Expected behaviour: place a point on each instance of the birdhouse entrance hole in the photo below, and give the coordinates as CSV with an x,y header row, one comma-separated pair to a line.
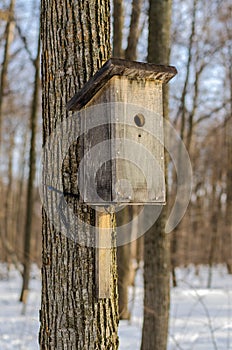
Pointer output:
x,y
139,120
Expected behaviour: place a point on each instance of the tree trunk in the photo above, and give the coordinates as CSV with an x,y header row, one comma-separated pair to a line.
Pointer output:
x,y
117,28
213,229
229,172
132,42
8,38
75,41
157,247
124,260
19,223
8,200
124,257
31,178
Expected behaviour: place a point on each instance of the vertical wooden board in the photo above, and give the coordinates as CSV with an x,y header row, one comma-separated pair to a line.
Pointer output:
x,y
97,187
103,255
145,154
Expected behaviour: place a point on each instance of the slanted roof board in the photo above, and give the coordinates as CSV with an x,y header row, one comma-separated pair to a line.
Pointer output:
x,y
120,67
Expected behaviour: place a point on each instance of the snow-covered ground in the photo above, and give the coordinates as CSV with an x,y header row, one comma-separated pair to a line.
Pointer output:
x,y
201,318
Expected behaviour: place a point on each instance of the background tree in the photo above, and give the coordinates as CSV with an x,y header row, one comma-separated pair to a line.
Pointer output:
x,y
134,31
31,178
75,42
156,241
126,254
118,20
9,35
17,73
199,113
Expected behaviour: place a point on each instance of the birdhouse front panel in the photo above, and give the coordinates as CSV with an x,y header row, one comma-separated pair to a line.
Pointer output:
x,y
137,127
124,152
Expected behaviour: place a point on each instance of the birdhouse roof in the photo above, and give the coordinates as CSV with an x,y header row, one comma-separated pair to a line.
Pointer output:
x,y
120,67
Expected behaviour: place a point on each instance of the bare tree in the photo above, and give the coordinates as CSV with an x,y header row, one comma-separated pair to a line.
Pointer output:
x,y
9,32
31,178
134,32
124,253
157,248
118,21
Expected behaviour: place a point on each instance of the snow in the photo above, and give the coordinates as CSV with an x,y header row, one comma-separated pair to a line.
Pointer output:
x,y
19,325
200,318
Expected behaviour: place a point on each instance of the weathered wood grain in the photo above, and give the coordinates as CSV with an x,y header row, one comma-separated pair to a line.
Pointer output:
x,y
138,175
134,174
103,255
120,67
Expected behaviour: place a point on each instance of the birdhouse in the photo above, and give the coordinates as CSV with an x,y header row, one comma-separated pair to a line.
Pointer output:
x,y
121,119
121,144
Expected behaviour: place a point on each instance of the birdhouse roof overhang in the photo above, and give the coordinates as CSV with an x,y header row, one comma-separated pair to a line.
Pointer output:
x,y
120,67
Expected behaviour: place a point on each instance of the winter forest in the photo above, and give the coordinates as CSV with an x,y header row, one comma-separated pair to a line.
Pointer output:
x,y
167,290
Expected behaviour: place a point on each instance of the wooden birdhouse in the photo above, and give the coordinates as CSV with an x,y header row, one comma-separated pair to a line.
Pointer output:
x,y
123,138
122,146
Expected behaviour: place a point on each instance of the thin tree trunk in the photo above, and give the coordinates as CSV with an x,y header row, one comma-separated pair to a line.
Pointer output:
x,y
124,260
20,210
9,17
8,198
31,178
213,227
75,41
182,108
156,245
7,250
182,113
8,41
229,172
118,20
132,42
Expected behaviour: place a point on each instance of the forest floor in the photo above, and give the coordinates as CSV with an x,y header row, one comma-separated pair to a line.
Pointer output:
x,y
200,318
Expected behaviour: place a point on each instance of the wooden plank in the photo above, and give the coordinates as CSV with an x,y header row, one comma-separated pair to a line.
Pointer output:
x,y
103,255
120,67
96,189
138,176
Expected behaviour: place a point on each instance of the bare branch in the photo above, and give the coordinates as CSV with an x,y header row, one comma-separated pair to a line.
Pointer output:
x,y
181,111
24,40
207,116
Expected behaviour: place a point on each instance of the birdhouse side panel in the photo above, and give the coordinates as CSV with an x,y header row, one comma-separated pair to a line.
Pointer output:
x,y
96,171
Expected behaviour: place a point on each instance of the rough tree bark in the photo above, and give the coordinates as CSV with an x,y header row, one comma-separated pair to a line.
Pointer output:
x,y
75,42
157,247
